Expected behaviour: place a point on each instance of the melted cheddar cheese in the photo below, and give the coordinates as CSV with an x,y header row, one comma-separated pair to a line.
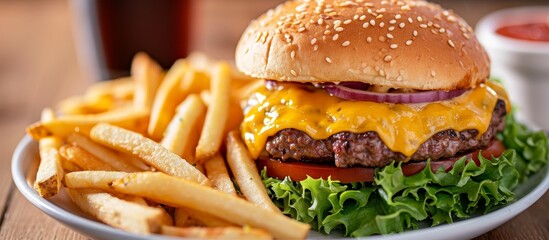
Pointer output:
x,y
402,127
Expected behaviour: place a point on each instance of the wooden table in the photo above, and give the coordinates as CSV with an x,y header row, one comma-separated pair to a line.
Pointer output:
x,y
38,67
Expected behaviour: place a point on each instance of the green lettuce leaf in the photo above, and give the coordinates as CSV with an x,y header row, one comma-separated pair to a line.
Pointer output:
x,y
395,203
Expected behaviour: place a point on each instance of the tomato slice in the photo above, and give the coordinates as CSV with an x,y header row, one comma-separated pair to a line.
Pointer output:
x,y
298,171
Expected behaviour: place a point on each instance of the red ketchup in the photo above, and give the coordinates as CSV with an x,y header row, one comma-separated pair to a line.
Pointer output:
x,y
536,31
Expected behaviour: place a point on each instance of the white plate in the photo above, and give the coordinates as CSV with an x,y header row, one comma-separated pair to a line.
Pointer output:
x,y
25,159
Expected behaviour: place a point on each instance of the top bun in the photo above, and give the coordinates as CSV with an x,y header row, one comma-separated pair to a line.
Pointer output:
x,y
399,44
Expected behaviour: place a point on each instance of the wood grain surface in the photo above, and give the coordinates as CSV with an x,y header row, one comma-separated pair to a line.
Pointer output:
x,y
39,67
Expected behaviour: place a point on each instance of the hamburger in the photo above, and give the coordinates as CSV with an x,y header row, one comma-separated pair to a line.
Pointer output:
x,y
378,116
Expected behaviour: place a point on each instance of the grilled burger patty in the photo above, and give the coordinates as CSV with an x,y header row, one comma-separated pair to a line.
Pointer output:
x,y
348,149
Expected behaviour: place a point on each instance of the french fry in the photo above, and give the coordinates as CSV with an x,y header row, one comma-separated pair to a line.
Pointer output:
x,y
139,200
134,161
216,233
50,172
235,118
245,173
102,153
148,150
206,97
92,179
79,105
182,218
136,199
218,175
217,114
160,187
179,133
69,166
129,118
195,81
83,159
129,216
168,96
207,219
147,75
118,89
200,61
47,115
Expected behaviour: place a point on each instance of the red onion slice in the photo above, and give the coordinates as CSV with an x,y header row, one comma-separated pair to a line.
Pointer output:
x,y
352,94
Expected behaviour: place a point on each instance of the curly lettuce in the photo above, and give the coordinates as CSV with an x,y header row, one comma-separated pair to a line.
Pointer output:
x,y
395,203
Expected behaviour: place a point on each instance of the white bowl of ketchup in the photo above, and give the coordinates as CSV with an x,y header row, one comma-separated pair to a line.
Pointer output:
x,y
517,41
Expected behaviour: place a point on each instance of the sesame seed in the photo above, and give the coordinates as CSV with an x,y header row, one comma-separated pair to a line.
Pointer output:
x,y
430,24
347,21
313,41
406,8
381,72
410,20
365,25
442,30
328,60
434,31
327,32
381,10
369,39
422,26
292,54
381,38
398,16
339,29
362,17
419,19
315,48
381,24
393,46
393,21
415,33
320,21
379,16
335,37
409,42
355,17
337,23
346,43
391,28
373,22
451,19
389,36
293,72
451,43
301,29
465,35
388,58
402,25
433,73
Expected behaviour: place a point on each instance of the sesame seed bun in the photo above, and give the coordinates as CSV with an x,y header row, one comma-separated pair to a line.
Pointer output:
x,y
399,44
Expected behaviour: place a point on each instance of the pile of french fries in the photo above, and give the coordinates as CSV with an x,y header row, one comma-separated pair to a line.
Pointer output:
x,y
149,154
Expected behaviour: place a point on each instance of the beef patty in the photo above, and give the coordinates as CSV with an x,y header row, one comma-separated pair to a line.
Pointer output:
x,y
348,149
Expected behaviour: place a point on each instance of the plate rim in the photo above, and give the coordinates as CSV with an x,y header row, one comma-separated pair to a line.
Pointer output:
x,y
69,219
